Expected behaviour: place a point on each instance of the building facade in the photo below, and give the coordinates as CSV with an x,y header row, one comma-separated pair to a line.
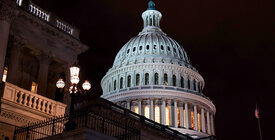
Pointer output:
x,y
35,48
152,75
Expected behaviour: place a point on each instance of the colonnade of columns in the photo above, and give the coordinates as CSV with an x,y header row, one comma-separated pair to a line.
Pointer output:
x,y
174,113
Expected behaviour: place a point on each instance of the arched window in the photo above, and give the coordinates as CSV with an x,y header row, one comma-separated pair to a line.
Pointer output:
x,y
192,120
147,47
157,114
137,79
156,78
121,83
188,84
161,47
167,113
182,82
174,80
115,85
146,78
178,114
199,87
136,109
129,81
110,87
147,112
199,122
165,81
194,85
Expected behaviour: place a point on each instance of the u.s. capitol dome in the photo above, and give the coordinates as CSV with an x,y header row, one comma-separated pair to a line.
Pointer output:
x,y
152,75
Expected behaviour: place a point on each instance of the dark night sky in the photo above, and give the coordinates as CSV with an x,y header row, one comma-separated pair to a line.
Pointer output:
x,y
230,42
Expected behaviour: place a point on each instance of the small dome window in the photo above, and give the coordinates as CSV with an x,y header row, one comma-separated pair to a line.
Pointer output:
x,y
128,51
155,47
161,47
175,50
140,47
134,49
168,48
147,47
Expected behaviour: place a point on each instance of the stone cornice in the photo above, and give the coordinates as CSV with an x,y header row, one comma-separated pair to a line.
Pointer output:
x,y
71,41
7,10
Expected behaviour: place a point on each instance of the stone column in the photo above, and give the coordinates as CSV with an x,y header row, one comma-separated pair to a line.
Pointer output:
x,y
192,83
163,115
67,97
151,108
181,115
139,106
212,124
197,86
128,104
175,118
186,116
202,120
196,117
7,14
14,63
185,81
44,61
208,122
170,78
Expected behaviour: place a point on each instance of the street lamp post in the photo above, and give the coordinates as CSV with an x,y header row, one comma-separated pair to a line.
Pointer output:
x,y
73,90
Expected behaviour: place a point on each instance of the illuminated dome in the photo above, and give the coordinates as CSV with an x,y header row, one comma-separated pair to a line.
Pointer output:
x,y
152,45
152,76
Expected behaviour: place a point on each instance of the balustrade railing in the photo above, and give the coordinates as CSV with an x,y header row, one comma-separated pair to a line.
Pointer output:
x,y
31,100
47,17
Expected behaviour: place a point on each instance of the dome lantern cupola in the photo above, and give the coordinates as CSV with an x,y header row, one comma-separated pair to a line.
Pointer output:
x,y
151,17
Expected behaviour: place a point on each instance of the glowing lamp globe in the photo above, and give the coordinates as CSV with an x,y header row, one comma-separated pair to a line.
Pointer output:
x,y
86,85
60,83
74,80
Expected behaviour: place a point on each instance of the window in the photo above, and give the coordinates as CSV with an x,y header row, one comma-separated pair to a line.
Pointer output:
x,y
137,79
188,83
146,78
136,109
155,47
168,48
34,87
129,81
128,51
121,83
147,47
157,114
109,87
165,82
147,112
161,47
182,82
5,73
192,120
194,85
140,47
199,123
156,78
174,80
178,113
134,49
115,85
167,113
